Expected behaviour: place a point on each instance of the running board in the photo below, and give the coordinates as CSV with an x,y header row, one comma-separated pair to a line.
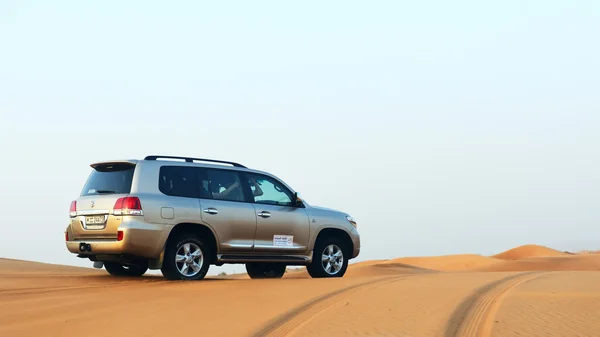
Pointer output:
x,y
236,258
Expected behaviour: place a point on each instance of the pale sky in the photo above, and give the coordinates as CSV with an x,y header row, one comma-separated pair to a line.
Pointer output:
x,y
442,127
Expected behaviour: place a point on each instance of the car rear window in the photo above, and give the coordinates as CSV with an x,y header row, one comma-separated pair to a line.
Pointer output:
x,y
109,179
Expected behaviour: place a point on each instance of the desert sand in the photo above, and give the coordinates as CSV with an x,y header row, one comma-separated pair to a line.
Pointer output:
x,y
526,291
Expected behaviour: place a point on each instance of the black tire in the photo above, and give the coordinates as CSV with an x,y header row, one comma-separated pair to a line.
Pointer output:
x,y
317,269
265,270
173,270
117,269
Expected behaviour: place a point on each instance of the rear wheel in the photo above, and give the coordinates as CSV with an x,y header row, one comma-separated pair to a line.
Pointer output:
x,y
117,269
329,258
187,257
265,270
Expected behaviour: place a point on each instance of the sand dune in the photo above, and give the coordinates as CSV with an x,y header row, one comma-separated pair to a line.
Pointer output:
x,y
528,251
522,258
530,290
589,252
559,263
446,263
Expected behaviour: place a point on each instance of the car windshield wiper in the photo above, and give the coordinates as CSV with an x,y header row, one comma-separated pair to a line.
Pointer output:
x,y
105,192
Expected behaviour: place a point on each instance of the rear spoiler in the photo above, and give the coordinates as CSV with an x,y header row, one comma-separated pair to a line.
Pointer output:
x,y
109,162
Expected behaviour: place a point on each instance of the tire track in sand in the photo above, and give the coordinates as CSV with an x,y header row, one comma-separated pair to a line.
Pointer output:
x,y
295,318
474,317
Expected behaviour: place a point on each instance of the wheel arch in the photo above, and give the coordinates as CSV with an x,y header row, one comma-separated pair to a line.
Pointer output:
x,y
327,232
201,230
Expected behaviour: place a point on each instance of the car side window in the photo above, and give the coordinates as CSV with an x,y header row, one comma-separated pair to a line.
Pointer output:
x,y
224,185
266,190
180,181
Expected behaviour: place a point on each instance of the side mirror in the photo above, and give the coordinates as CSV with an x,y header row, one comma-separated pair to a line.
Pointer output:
x,y
297,200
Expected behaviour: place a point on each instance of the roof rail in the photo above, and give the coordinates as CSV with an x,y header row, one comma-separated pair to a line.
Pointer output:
x,y
191,160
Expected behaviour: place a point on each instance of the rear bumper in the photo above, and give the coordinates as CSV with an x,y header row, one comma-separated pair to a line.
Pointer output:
x,y
140,239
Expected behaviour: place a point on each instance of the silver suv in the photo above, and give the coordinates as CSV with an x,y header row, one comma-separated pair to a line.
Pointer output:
x,y
181,215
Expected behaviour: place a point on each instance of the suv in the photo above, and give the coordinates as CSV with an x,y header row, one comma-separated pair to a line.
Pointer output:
x,y
180,215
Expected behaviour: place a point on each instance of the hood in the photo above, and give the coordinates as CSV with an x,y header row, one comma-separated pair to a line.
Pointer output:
x,y
325,209
316,210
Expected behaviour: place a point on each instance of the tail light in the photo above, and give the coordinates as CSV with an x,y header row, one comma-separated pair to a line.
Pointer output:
x,y
73,209
66,236
128,206
120,236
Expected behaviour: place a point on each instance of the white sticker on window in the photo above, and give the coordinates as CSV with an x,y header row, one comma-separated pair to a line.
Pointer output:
x,y
283,240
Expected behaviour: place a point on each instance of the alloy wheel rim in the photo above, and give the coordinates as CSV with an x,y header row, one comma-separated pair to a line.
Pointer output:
x,y
332,259
189,259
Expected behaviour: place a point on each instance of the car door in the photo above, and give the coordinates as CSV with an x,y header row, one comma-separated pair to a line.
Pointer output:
x,y
224,207
280,227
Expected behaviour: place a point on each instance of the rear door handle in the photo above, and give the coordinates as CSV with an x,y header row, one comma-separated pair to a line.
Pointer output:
x,y
264,214
211,210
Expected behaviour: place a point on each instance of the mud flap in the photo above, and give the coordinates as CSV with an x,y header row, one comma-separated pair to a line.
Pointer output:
x,y
157,264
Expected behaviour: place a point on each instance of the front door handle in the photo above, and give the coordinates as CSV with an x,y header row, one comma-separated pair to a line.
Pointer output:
x,y
264,214
211,210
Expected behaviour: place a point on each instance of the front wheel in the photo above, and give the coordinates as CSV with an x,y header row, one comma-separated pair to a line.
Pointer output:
x,y
265,270
117,269
329,259
186,258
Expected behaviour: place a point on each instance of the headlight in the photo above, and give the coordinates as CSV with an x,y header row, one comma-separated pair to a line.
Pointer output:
x,y
351,220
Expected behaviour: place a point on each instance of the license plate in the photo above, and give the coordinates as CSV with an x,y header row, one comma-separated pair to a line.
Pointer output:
x,y
94,220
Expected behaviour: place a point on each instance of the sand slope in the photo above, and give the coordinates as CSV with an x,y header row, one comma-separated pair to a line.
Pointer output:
x,y
11,266
527,291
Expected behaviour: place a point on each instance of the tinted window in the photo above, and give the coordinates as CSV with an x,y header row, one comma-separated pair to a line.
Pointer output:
x,y
181,181
109,179
224,185
267,190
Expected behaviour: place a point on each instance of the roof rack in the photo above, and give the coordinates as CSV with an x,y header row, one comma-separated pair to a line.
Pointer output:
x,y
191,160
